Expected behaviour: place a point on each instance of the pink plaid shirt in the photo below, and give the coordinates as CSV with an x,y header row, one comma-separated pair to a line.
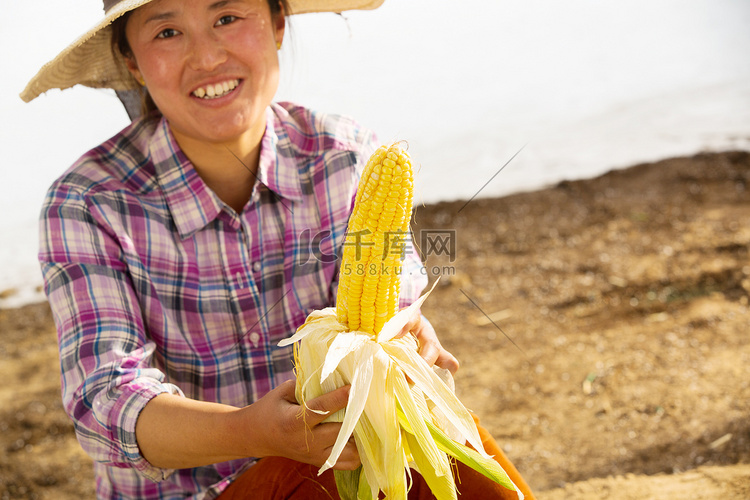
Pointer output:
x,y
157,286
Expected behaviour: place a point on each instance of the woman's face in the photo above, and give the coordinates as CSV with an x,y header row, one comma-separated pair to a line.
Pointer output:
x,y
210,65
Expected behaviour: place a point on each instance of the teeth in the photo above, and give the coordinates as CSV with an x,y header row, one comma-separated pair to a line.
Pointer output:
x,y
216,90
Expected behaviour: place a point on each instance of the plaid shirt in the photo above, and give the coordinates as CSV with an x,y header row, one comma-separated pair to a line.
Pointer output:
x,y
157,286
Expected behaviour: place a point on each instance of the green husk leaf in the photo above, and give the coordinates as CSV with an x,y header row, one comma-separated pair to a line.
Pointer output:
x,y
410,409
434,388
347,483
442,486
469,457
365,491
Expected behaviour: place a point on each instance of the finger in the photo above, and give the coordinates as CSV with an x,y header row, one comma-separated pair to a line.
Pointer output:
x,y
434,354
447,361
325,434
287,391
349,458
319,408
429,351
414,324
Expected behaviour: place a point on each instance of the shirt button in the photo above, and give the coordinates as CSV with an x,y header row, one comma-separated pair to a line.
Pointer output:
x,y
254,338
256,266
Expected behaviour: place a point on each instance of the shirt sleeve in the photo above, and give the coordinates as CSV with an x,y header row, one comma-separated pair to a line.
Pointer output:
x,y
107,367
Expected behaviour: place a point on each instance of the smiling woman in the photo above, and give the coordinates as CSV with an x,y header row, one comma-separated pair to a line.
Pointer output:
x,y
180,252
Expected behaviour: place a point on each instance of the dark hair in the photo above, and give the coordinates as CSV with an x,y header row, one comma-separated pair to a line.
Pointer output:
x,y
121,47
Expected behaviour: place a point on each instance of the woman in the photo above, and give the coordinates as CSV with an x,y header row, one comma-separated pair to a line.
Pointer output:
x,y
178,253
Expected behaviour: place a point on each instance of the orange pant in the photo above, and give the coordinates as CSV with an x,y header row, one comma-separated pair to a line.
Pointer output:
x,y
276,478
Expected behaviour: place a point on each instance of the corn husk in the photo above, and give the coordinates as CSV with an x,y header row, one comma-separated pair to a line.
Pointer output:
x,y
401,413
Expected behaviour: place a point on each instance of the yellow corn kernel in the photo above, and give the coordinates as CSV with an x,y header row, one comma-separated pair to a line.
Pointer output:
x,y
370,269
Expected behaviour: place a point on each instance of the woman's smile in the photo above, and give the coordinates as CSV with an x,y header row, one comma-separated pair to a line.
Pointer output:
x,y
216,90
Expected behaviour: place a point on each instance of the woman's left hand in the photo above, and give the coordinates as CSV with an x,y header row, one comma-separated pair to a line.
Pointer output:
x,y
429,346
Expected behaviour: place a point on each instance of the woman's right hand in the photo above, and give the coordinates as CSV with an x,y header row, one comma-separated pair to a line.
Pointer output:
x,y
279,426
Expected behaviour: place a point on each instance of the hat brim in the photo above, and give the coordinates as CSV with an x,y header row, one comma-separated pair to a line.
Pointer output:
x,y
90,61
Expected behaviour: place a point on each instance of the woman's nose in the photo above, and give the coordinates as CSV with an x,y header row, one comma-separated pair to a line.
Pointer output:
x,y
206,52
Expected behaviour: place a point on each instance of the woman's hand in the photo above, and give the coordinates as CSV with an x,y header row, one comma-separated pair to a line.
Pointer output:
x,y
175,432
429,346
284,428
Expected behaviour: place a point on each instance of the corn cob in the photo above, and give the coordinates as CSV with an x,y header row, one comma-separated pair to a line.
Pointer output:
x,y
397,422
370,280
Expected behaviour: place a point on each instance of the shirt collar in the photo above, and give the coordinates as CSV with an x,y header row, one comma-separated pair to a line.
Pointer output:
x,y
278,168
192,204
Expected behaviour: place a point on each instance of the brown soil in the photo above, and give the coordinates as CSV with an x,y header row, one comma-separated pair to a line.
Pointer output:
x,y
616,364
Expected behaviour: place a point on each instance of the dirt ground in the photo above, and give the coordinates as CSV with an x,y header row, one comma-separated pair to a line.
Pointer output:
x,y
602,327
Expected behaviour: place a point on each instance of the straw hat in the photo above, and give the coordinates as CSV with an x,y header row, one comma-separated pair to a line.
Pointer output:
x,y
89,60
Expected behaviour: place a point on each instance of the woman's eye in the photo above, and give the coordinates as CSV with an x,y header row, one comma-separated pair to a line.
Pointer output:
x,y
167,33
225,20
